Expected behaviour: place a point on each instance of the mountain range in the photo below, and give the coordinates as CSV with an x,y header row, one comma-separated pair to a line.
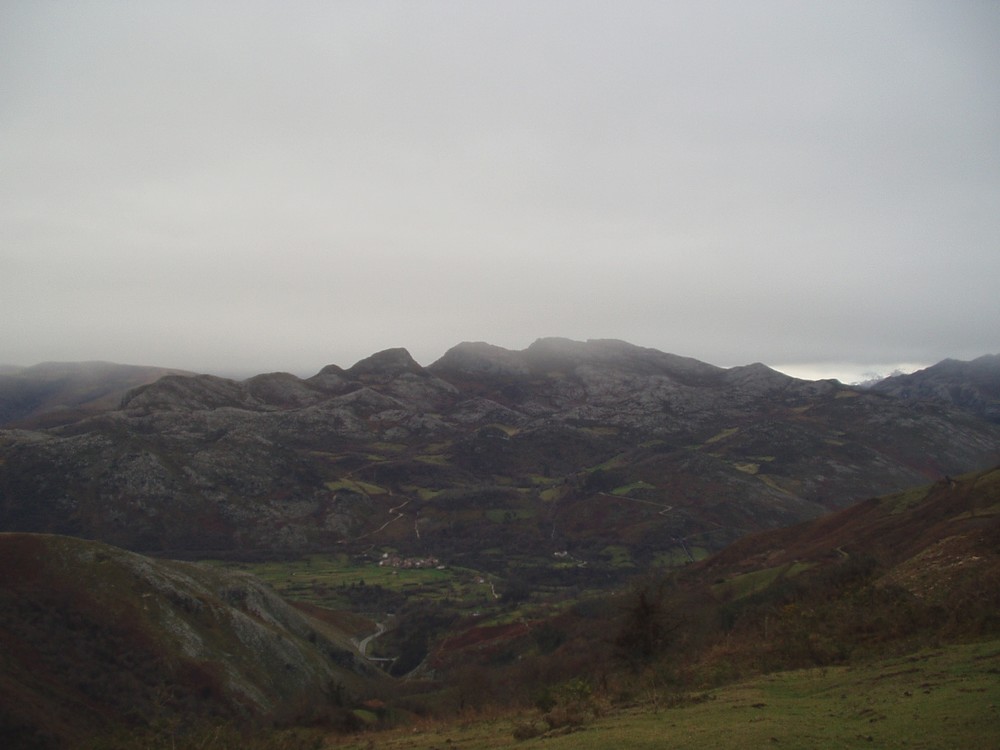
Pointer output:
x,y
754,522
488,454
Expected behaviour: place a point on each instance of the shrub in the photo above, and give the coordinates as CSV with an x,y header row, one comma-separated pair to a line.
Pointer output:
x,y
525,730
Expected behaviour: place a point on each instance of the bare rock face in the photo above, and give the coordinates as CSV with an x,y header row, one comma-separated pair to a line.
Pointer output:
x,y
205,464
284,391
201,392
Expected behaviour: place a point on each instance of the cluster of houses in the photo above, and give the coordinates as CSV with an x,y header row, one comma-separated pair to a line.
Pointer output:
x,y
409,563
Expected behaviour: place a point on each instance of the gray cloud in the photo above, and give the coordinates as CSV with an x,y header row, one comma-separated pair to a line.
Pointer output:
x,y
260,185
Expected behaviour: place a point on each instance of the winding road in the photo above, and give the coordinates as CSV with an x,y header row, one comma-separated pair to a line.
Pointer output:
x,y
366,641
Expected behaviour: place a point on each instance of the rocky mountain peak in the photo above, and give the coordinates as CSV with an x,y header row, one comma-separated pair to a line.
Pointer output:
x,y
973,386
477,358
386,363
757,373
175,392
330,370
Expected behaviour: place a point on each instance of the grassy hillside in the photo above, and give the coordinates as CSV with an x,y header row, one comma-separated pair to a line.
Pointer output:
x,y
95,639
942,698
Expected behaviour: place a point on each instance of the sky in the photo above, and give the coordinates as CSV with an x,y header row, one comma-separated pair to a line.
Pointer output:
x,y
243,187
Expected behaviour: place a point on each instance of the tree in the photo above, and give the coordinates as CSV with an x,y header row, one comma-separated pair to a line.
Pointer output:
x,y
645,631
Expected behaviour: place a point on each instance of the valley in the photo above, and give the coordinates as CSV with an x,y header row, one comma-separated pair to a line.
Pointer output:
x,y
577,540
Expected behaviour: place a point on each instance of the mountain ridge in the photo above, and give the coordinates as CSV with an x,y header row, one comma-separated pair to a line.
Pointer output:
x,y
564,431
973,385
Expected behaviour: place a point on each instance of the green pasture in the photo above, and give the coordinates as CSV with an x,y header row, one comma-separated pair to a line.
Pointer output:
x,y
627,488
437,459
676,556
317,578
351,485
618,556
758,580
554,493
727,432
940,699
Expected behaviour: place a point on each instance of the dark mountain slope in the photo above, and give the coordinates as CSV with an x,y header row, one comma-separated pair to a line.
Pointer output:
x,y
973,386
93,637
593,444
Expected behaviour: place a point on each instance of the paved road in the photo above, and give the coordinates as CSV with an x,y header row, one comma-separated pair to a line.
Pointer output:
x,y
364,642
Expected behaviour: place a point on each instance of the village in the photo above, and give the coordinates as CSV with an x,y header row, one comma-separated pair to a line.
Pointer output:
x,y
409,563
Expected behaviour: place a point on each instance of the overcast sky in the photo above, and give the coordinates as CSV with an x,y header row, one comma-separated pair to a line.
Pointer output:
x,y
255,186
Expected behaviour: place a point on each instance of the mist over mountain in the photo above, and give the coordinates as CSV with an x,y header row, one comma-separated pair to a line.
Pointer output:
x,y
54,392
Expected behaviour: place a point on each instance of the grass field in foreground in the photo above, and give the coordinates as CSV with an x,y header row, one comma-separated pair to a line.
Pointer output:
x,y
945,698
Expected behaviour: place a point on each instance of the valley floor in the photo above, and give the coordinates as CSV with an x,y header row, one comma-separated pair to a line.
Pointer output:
x,y
942,698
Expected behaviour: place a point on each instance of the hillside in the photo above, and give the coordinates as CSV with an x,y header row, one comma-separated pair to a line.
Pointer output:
x,y
60,392
96,639
488,457
936,699
924,563
973,386
886,577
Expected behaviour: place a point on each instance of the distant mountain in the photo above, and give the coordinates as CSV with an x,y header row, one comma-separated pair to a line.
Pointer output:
x,y
94,638
60,392
490,457
973,386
